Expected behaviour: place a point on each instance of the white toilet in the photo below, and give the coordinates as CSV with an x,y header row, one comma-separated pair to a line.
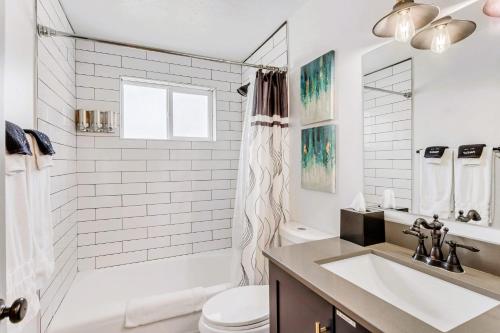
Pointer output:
x,y
246,309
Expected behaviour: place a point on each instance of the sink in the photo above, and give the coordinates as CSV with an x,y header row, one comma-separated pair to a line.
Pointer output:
x,y
438,303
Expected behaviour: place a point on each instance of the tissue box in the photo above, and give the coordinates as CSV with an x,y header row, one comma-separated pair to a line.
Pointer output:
x,y
362,228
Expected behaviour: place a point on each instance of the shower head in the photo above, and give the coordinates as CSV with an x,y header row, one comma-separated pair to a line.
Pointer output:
x,y
243,90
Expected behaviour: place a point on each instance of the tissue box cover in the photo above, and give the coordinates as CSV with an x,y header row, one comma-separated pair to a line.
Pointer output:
x,y
364,229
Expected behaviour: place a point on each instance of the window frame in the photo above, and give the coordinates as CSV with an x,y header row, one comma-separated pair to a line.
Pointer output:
x,y
171,88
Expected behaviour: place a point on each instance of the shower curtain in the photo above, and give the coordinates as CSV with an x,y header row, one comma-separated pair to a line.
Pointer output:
x,y
262,195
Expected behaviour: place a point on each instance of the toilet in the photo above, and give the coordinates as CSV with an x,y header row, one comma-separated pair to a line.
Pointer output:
x,y
246,309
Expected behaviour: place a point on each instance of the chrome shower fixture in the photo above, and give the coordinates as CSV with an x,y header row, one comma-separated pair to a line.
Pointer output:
x,y
95,121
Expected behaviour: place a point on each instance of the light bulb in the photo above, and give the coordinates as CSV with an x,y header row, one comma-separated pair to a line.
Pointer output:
x,y
441,40
492,8
405,28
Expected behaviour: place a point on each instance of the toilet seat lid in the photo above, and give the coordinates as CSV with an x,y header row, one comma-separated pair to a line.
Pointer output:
x,y
238,307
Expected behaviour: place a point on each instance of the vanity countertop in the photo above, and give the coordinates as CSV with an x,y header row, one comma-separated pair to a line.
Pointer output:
x,y
302,261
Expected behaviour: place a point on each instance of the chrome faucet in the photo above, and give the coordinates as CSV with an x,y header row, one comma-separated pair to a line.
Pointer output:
x,y
438,234
471,215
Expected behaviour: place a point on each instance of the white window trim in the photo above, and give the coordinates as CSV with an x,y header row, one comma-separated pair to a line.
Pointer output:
x,y
171,87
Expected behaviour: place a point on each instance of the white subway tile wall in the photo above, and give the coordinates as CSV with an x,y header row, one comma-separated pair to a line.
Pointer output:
x,y
388,135
274,53
56,102
142,200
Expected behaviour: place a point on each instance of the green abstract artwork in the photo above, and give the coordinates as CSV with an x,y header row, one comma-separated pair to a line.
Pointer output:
x,y
317,83
319,158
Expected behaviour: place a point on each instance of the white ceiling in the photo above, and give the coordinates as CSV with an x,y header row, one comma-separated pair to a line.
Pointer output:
x,y
230,29
362,36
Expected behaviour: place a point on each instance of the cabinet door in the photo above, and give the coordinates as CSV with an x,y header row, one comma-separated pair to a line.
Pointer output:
x,y
344,324
295,308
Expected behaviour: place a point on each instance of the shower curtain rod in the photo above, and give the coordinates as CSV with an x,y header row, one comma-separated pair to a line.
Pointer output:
x,y
405,94
46,31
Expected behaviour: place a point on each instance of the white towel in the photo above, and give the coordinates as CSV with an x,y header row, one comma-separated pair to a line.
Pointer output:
x,y
147,310
15,163
436,185
21,279
473,185
38,175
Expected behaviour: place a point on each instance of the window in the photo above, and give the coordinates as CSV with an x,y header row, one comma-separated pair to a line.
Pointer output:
x,y
166,111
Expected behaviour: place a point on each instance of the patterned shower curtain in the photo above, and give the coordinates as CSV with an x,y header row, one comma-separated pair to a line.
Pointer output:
x,y
265,189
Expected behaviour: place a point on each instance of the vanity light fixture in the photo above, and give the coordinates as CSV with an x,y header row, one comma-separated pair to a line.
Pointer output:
x,y
405,18
492,8
443,33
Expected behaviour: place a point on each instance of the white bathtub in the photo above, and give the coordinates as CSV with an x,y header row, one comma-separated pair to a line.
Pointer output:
x,y
97,299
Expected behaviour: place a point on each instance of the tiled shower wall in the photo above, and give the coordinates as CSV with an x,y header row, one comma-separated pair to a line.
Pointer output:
x,y
142,200
274,53
56,103
388,135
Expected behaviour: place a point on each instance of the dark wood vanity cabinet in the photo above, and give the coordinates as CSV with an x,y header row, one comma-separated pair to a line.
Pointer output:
x,y
294,308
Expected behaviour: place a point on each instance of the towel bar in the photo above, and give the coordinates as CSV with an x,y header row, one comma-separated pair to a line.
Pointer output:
x,y
497,149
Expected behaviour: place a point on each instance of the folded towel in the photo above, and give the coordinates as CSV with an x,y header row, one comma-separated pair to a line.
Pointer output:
x,y
147,310
15,140
434,154
217,289
20,277
471,151
38,176
43,141
436,185
15,163
43,160
473,186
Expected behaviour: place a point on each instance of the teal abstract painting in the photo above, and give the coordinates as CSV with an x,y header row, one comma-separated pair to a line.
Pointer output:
x,y
319,158
317,83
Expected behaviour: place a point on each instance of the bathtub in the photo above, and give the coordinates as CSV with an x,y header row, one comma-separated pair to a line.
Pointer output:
x,y
97,299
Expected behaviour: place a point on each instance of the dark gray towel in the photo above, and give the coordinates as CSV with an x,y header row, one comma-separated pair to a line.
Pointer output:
x,y
435,151
43,141
471,151
15,140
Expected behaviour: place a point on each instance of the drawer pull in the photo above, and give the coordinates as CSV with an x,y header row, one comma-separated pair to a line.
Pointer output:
x,y
346,319
320,329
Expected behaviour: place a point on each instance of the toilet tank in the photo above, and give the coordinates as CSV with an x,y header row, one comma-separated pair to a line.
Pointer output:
x,y
295,233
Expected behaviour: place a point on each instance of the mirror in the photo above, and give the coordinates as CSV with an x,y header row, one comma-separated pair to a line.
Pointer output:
x,y
447,100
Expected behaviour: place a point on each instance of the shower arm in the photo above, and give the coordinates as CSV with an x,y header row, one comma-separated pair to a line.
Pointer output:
x,y
45,31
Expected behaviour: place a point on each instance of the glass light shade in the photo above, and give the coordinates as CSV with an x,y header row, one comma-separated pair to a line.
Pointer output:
x,y
405,28
441,40
492,8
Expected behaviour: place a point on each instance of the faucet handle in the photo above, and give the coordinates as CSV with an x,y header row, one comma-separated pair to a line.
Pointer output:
x,y
418,234
445,232
452,263
454,245
420,252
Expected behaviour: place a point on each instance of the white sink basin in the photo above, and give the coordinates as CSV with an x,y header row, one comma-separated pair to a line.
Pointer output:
x,y
440,304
